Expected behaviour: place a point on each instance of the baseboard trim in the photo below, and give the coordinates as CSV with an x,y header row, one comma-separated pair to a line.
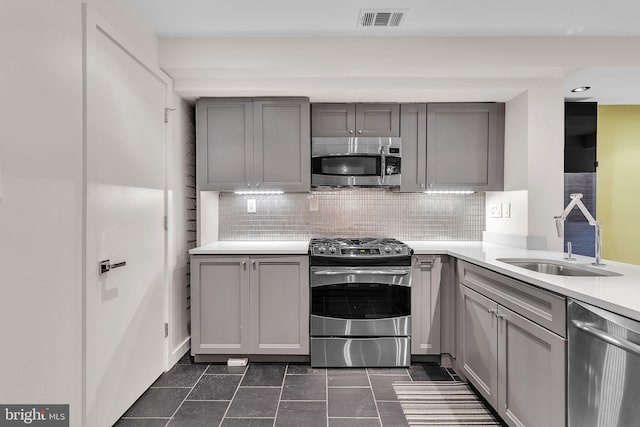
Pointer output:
x,y
253,358
179,351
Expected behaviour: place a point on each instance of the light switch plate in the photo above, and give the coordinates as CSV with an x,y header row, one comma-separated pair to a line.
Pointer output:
x,y
496,211
506,210
251,205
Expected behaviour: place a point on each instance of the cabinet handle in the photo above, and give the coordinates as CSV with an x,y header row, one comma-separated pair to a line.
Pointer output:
x,y
253,263
257,184
500,316
359,132
249,185
492,311
422,185
244,265
351,131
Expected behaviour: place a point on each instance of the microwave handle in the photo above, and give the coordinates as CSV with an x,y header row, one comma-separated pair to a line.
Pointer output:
x,y
383,165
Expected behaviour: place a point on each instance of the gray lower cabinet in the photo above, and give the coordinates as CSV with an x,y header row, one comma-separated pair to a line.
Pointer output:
x,y
249,305
348,120
465,146
253,144
516,364
425,305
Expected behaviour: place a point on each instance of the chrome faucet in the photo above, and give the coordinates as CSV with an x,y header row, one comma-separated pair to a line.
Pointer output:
x,y
575,200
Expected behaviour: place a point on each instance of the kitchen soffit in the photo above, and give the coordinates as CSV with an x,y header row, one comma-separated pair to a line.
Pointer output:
x,y
481,18
294,18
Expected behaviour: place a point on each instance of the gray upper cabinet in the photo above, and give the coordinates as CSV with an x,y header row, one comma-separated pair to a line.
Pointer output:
x,y
465,146
413,131
333,119
282,150
339,120
253,144
224,142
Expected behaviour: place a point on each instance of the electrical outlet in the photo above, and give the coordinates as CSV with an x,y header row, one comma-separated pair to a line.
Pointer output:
x,y
313,204
251,205
496,211
506,210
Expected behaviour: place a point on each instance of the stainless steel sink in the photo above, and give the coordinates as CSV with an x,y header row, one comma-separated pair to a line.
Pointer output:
x,y
557,268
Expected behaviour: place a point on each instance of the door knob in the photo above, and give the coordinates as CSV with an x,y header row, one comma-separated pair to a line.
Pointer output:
x,y
106,265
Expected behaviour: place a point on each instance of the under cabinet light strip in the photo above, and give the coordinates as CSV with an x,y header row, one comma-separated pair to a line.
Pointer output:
x,y
450,192
257,193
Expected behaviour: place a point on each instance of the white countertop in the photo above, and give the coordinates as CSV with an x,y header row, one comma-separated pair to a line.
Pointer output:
x,y
253,247
618,294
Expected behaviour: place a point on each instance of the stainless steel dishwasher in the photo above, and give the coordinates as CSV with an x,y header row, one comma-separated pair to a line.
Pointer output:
x,y
604,368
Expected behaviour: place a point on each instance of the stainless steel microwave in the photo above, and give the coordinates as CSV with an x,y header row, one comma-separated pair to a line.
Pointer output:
x,y
356,162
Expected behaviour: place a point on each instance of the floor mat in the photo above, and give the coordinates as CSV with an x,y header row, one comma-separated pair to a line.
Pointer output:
x,y
439,403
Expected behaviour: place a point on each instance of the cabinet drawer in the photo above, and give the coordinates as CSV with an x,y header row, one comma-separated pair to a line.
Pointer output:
x,y
544,308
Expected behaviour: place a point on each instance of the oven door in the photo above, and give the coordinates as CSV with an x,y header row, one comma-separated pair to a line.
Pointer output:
x,y
360,301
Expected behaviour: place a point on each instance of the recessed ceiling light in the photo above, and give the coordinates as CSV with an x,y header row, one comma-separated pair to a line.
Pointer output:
x,y
580,88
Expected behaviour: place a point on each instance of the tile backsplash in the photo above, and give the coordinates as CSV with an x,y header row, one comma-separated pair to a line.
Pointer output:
x,y
353,213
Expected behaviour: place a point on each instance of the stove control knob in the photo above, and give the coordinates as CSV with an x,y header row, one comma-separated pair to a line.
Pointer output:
x,y
332,249
398,249
322,249
387,249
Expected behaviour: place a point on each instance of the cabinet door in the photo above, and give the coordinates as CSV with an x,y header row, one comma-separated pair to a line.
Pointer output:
x,y
329,120
224,138
280,305
219,305
465,146
413,131
425,305
378,120
282,146
479,343
531,373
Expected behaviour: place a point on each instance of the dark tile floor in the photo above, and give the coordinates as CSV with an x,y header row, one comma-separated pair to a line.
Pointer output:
x,y
262,395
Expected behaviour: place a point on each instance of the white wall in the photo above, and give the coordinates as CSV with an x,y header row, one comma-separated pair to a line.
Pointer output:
x,y
516,140
41,204
180,154
406,69
118,14
546,163
534,169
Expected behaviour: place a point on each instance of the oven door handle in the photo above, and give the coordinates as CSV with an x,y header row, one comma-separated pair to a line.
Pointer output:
x,y
374,272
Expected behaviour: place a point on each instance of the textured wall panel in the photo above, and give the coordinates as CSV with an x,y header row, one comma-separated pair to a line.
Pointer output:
x,y
353,213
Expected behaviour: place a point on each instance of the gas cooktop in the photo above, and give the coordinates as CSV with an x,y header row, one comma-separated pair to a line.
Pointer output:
x,y
358,247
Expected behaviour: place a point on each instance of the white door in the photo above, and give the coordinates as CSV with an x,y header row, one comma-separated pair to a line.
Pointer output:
x,y
125,208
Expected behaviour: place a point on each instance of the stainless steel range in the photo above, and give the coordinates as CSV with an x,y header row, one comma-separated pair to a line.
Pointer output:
x,y
360,302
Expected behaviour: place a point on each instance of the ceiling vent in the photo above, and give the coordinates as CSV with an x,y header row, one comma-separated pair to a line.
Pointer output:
x,y
371,18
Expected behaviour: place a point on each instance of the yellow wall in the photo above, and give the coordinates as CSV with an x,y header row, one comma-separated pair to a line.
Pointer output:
x,y
618,181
